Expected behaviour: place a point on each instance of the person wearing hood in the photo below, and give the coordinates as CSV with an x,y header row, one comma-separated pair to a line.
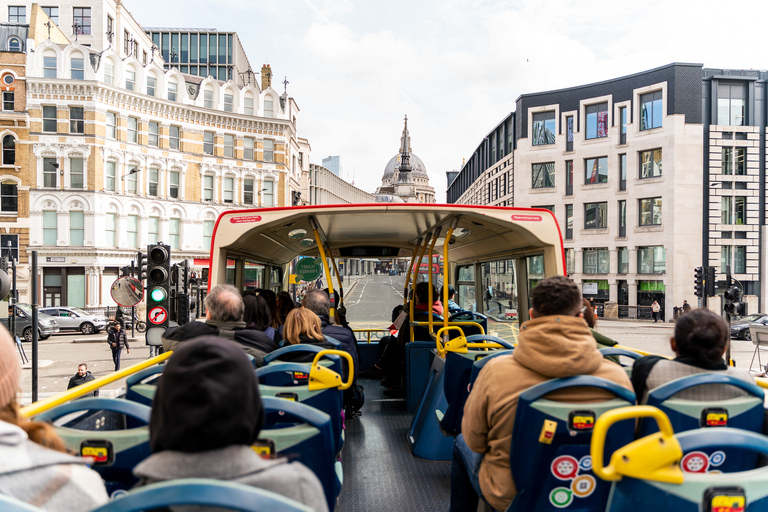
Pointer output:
x,y
81,377
34,465
555,343
206,414
224,318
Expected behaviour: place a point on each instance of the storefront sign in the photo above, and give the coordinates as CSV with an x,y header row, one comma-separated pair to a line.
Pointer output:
x,y
55,259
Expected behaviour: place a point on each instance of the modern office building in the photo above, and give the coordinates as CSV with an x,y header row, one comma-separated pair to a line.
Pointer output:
x,y
333,164
650,175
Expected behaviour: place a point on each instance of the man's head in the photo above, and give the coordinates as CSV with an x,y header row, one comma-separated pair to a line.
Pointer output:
x,y
557,295
117,326
82,369
224,304
685,302
317,301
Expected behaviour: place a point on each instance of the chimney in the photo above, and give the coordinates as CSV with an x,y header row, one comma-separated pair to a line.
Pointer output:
x,y
266,76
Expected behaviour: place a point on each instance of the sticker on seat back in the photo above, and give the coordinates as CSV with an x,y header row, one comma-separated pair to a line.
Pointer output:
x,y
101,451
714,417
581,421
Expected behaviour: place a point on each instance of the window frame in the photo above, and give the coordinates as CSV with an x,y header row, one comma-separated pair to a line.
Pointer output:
x,y
249,183
14,239
601,216
8,151
174,139
9,197
132,132
153,134
151,85
543,175
111,127
656,210
83,15
77,170
229,145
20,15
543,128
77,232
153,229
153,182
132,231
208,188
111,233
54,174
174,233
228,190
77,73
268,155
173,90
269,193
655,262
50,222
248,152
595,109
209,147
656,103
599,170
110,178
602,256
130,79
76,125
174,189
48,120
9,101
50,66
648,161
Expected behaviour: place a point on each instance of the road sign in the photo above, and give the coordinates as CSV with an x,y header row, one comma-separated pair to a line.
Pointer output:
x,y
157,315
127,291
308,269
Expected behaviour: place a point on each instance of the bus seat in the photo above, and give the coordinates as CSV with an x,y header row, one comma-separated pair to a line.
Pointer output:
x,y
329,401
141,386
425,439
418,360
743,412
201,492
613,353
305,434
115,433
550,451
470,316
332,361
11,504
647,473
333,341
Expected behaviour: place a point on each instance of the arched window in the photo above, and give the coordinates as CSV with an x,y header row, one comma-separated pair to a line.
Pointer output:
x,y
151,84
229,101
173,89
109,72
174,231
269,109
49,64
9,199
208,96
14,44
130,78
9,150
77,66
248,104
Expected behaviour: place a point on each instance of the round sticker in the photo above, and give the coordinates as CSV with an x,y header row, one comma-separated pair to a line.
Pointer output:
x,y
585,463
583,485
560,497
565,467
716,458
695,462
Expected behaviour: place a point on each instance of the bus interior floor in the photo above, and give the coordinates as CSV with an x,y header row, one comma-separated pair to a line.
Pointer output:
x,y
380,474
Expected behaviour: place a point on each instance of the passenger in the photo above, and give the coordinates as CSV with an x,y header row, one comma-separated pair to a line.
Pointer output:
x,y
700,339
303,326
284,306
591,319
223,318
555,343
339,311
452,306
271,299
34,465
258,317
206,414
81,377
421,307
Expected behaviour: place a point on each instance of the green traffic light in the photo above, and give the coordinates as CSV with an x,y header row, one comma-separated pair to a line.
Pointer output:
x,y
157,295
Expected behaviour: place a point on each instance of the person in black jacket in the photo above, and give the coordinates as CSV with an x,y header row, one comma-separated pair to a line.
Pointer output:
x,y
81,377
117,340
224,318
318,302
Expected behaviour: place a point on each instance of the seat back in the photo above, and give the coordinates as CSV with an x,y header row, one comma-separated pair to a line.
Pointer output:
x,y
614,354
550,458
202,492
470,316
743,412
114,432
142,386
332,361
302,433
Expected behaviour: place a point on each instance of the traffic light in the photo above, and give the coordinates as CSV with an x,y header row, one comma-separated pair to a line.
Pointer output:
x,y
142,267
158,285
710,287
698,282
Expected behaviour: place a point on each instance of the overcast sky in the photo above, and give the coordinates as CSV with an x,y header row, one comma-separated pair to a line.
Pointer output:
x,y
455,67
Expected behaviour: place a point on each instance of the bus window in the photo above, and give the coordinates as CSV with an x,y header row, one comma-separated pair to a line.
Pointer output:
x,y
230,278
253,276
275,279
500,293
535,267
465,289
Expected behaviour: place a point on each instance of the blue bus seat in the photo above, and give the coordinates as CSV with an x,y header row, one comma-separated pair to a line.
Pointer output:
x,y
302,433
550,451
117,436
470,316
142,386
744,412
418,360
614,353
331,361
202,492
425,439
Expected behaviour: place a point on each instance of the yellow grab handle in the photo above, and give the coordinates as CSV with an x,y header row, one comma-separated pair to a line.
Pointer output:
x,y
653,457
321,377
456,343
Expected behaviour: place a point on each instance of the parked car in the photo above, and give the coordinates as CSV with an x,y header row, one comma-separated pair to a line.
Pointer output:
x,y
75,319
740,327
46,324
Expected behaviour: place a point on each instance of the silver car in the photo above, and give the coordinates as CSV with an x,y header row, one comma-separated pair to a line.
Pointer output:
x,y
75,319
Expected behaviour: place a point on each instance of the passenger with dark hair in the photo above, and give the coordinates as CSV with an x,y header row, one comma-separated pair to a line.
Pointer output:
x,y
284,306
271,299
591,318
206,414
555,343
700,339
258,317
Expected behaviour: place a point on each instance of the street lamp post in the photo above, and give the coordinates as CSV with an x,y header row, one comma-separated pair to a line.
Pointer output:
x,y
260,191
132,171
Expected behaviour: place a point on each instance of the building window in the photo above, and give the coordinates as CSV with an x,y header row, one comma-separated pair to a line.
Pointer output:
x,y
569,222
544,128
9,198
9,150
623,125
153,230
174,231
623,171
595,215
8,101
741,210
151,85
543,175
130,79
725,258
77,68
133,129
268,192
14,44
229,103
650,110
111,172
76,228
207,234
207,188
132,231
269,150
208,143
248,191
731,104
82,19
111,125
50,227
111,229
740,259
268,108
229,190
248,148
17,14
597,120
596,261
229,145
173,89
49,118
734,161
76,176
248,106
174,181
126,42
154,181
650,163
651,260
208,97
726,210
570,262
110,28
49,66
623,260
131,183
174,137
650,211
154,134
12,242
596,170
76,120
50,172
622,219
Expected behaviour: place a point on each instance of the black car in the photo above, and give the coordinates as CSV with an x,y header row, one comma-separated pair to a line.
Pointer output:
x,y
740,328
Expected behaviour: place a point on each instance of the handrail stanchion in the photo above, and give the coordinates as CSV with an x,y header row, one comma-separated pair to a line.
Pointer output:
x,y
321,249
430,300
418,264
338,278
408,272
446,243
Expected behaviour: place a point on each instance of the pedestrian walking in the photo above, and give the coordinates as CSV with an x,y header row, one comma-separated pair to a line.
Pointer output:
x,y
117,340
655,310
81,377
686,306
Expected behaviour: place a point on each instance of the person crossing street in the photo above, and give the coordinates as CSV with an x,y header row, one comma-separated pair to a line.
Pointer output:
x,y
117,340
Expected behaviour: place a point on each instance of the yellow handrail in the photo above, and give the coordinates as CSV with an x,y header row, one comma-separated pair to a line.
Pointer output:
x,y
446,243
408,272
51,402
321,249
431,299
412,299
